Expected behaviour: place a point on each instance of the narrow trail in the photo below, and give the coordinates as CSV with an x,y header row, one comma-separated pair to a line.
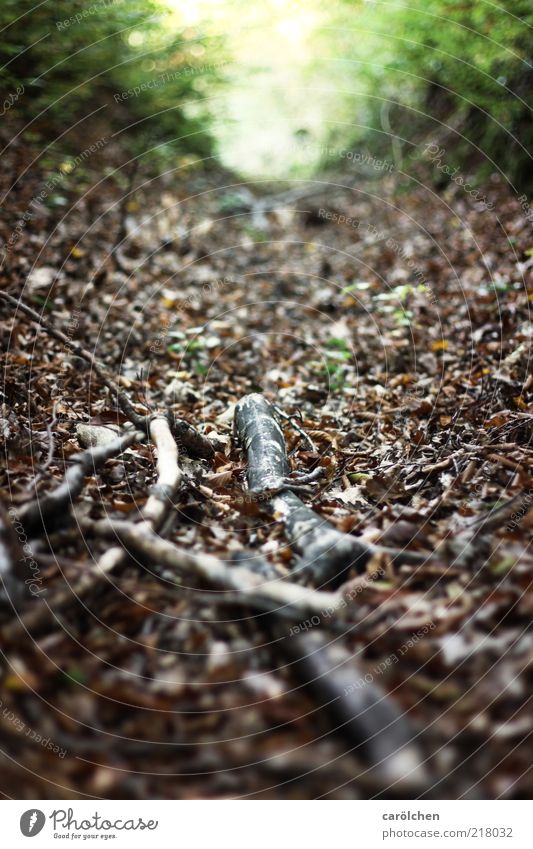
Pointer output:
x,y
394,329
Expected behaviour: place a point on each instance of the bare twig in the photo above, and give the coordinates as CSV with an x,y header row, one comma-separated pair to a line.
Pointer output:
x,y
160,500
50,454
196,444
153,515
255,590
100,370
293,423
46,509
158,504
169,474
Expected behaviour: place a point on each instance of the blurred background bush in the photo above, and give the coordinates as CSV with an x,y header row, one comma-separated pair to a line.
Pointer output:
x,y
265,83
131,67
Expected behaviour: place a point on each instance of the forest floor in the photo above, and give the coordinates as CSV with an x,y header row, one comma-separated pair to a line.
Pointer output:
x,y
397,324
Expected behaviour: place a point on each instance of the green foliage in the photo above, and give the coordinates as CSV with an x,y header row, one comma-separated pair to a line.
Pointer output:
x,y
140,72
460,74
395,75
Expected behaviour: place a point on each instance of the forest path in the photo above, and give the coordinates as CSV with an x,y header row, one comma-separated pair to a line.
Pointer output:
x,y
395,325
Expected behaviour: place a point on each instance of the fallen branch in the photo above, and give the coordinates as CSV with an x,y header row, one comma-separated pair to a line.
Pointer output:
x,y
157,506
153,515
327,554
357,711
256,591
353,708
169,474
299,430
196,444
361,714
47,509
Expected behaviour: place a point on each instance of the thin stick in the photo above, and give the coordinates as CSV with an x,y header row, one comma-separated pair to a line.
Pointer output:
x,y
299,430
100,370
254,588
169,474
196,444
153,515
159,502
357,710
47,508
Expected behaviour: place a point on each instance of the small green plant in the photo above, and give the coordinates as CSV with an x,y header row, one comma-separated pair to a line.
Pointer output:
x,y
333,367
340,345
359,286
193,353
399,295
255,234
